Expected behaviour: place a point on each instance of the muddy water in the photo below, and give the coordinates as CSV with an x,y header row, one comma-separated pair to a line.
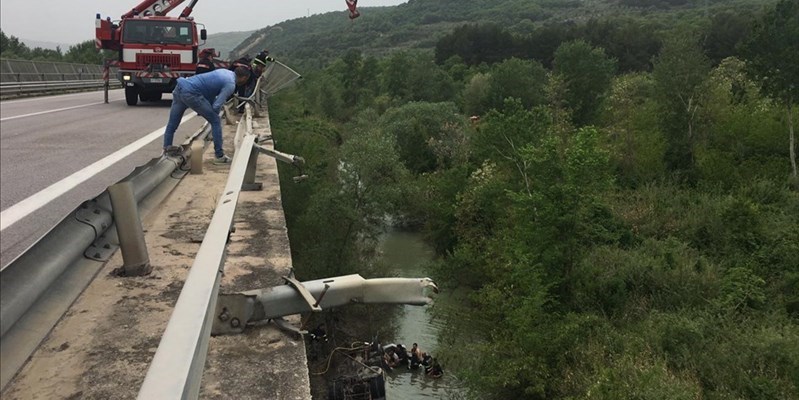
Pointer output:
x,y
408,255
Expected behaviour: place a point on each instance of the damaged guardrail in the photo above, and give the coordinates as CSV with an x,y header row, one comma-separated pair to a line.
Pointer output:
x,y
177,367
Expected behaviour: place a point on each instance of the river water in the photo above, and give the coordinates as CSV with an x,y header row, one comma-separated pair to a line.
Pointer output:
x,y
408,255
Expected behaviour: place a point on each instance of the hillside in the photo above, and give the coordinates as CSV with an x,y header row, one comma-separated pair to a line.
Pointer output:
x,y
418,24
224,42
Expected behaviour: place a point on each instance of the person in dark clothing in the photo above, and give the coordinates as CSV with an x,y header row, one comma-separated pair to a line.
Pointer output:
x,y
402,353
319,333
205,62
318,338
259,62
243,62
427,360
435,370
257,67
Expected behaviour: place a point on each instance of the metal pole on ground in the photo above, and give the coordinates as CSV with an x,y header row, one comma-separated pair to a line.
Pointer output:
x,y
136,261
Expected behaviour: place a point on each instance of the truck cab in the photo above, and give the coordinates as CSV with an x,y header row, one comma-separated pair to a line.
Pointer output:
x,y
153,50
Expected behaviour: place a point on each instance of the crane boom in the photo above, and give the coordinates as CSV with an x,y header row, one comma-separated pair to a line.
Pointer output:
x,y
149,8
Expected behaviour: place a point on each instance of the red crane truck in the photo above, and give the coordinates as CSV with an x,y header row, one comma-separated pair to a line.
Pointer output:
x,y
153,50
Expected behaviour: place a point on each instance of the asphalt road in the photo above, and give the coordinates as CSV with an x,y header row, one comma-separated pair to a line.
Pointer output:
x,y
45,139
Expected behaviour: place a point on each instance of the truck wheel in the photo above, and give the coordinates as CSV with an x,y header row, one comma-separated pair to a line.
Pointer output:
x,y
131,95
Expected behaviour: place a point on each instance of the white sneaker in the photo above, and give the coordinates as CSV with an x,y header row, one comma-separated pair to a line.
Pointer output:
x,y
222,160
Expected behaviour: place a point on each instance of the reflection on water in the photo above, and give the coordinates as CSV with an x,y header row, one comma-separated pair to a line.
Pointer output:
x,y
407,255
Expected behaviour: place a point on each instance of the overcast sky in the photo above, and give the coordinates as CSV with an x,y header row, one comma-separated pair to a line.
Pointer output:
x,y
72,21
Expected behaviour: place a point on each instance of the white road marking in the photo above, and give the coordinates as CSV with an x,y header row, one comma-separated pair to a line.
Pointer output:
x,y
18,211
56,110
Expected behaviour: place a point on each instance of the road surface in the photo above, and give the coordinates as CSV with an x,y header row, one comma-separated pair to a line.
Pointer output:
x,y
46,139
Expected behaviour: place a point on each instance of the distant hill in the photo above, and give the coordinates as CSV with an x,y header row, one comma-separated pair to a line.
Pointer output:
x,y
420,23
224,42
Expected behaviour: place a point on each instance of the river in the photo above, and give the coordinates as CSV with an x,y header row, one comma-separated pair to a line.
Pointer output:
x,y
408,255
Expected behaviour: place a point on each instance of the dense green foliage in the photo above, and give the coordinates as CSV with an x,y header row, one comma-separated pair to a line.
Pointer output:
x,y
614,232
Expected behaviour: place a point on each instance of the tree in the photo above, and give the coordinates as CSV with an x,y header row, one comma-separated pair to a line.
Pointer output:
x,y
773,59
680,73
416,127
395,75
631,116
11,47
476,44
587,73
632,42
428,82
519,79
350,76
85,53
476,95
725,33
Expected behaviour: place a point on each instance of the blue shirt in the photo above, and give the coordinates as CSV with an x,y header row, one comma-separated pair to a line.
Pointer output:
x,y
216,86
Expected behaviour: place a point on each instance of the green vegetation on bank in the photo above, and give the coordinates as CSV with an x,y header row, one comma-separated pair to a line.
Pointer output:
x,y
616,227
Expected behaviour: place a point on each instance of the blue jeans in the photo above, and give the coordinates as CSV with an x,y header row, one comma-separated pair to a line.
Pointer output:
x,y
183,99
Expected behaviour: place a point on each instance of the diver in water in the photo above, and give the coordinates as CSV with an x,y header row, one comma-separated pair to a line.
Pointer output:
x,y
435,370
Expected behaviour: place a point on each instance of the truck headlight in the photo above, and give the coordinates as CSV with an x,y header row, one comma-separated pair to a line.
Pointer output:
x,y
125,77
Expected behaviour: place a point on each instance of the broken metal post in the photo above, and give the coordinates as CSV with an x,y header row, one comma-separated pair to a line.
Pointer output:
x,y
136,261
235,311
296,161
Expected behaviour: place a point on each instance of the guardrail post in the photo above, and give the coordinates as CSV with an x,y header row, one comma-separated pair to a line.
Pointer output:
x,y
106,80
136,261
197,157
249,184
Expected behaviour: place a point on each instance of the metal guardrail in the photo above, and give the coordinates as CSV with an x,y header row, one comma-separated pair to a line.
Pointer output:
x,y
8,89
26,70
20,77
29,278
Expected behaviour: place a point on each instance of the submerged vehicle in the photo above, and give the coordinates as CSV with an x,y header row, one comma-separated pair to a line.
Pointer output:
x,y
359,375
